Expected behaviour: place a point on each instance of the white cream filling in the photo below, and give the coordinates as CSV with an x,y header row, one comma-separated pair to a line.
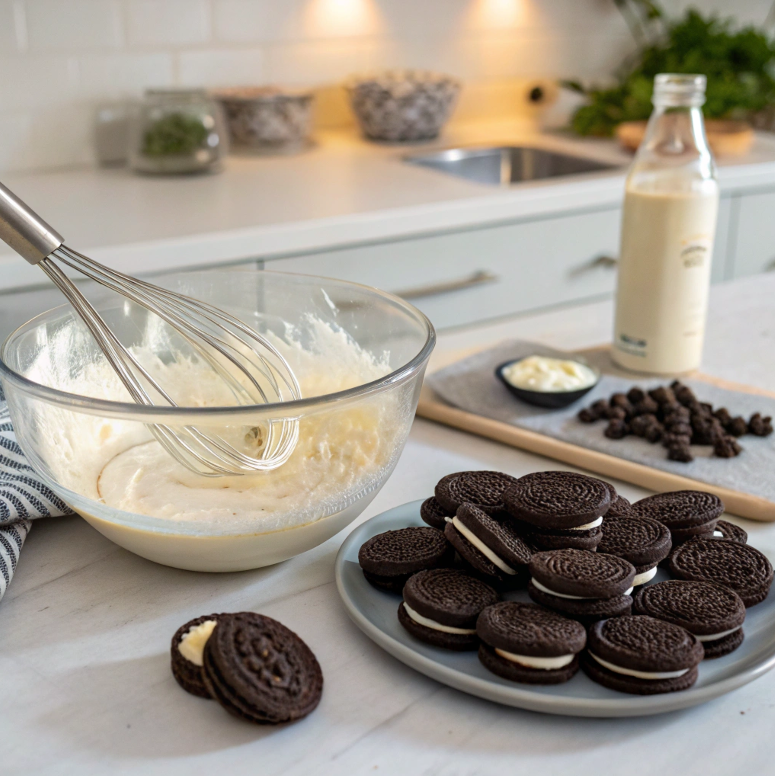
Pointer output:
x,y
482,547
714,636
544,663
565,595
718,534
540,373
653,675
594,524
192,645
641,579
428,623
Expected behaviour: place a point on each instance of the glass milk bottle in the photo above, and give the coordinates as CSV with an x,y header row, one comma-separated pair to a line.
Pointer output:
x,y
670,208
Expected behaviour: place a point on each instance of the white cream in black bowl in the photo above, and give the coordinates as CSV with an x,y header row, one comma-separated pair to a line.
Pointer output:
x,y
548,382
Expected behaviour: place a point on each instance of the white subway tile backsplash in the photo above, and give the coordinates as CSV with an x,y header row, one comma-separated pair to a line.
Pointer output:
x,y
251,21
9,22
111,76
221,68
167,22
73,24
36,81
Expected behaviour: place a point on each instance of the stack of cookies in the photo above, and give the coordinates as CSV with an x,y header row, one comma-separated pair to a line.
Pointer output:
x,y
588,560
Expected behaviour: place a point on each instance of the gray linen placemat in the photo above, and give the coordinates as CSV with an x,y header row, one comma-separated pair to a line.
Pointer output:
x,y
471,385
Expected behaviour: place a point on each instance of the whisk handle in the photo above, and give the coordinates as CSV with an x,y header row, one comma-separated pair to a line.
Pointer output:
x,y
24,230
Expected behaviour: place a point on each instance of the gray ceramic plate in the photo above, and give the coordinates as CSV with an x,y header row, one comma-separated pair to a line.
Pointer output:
x,y
374,612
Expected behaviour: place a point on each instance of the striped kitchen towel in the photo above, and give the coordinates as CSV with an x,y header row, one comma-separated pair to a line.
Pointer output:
x,y
23,497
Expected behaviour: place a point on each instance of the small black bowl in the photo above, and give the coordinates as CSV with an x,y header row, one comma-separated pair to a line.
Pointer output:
x,y
553,400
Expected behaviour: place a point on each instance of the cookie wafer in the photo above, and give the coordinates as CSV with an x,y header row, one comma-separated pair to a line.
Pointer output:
x,y
619,504
483,489
259,670
714,614
726,530
440,607
640,540
390,558
527,643
740,567
687,513
642,655
186,653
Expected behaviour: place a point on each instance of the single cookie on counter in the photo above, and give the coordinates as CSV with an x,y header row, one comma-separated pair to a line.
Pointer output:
x,y
558,509
440,607
434,514
714,614
483,489
740,567
726,530
586,586
186,653
687,513
641,655
494,550
261,671
640,540
390,558
527,643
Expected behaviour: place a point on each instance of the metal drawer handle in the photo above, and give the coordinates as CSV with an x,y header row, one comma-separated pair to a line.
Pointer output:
x,y
478,278
605,261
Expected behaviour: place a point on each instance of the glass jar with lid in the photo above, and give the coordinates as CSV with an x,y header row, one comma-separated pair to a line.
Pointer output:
x,y
177,131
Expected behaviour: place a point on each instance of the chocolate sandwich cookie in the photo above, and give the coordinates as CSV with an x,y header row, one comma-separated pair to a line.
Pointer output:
x,y
740,567
529,644
640,540
440,607
434,514
389,559
587,586
558,500
494,550
726,530
641,655
186,653
483,489
687,513
259,670
714,614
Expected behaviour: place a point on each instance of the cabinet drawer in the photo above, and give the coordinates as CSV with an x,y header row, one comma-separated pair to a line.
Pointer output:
x,y
461,277
754,248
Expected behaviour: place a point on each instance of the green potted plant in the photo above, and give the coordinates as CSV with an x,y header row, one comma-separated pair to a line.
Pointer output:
x,y
739,63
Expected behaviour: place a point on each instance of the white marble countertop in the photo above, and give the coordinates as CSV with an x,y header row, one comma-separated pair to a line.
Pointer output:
x,y
342,191
85,630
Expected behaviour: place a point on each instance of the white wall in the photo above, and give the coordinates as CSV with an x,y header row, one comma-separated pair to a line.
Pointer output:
x,y
60,58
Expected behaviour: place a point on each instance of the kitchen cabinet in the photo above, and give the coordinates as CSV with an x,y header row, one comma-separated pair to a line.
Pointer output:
x,y
753,247
471,275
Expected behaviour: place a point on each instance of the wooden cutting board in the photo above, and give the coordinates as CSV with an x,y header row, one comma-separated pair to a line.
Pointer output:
x,y
736,502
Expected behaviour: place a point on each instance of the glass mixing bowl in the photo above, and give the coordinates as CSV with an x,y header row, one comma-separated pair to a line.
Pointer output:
x,y
360,355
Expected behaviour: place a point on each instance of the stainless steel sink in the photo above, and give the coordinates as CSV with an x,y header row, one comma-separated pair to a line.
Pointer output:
x,y
504,165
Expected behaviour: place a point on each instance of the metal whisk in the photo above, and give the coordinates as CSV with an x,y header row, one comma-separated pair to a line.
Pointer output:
x,y
250,366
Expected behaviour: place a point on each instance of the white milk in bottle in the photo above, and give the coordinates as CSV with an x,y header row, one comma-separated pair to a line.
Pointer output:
x,y
670,208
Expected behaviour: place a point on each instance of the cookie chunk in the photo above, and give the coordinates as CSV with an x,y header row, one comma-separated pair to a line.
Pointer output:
x,y
390,558
714,614
261,671
739,567
483,489
642,655
440,607
529,644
